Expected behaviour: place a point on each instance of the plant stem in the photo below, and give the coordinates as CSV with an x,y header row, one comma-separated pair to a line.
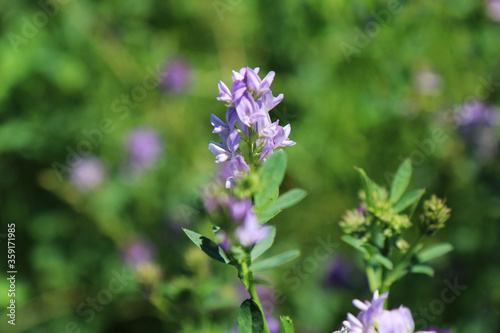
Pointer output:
x,y
393,276
247,279
372,279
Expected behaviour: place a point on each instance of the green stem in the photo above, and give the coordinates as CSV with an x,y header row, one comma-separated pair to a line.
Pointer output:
x,y
393,276
250,146
246,277
372,278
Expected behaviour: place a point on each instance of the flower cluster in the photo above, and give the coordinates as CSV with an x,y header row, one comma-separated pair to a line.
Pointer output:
x,y
247,119
373,318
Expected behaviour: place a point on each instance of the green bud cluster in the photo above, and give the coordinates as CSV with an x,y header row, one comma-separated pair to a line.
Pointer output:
x,y
435,215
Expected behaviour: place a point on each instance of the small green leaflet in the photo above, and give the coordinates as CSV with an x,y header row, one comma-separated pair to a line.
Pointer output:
x,y
411,198
401,181
434,252
422,269
367,186
284,201
273,172
208,246
275,261
263,245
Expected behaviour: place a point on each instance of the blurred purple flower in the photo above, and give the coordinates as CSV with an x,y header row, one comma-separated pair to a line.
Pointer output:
x,y
87,173
175,76
144,149
138,252
477,113
493,10
339,272
477,125
250,232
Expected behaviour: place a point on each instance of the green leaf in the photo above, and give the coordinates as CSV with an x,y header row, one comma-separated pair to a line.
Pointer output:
x,y
275,261
434,252
264,244
265,216
355,243
286,325
411,198
208,246
383,261
422,269
249,318
273,172
285,200
401,181
367,187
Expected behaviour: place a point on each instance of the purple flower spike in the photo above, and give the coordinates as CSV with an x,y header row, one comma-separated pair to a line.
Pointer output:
x,y
144,149
87,174
250,100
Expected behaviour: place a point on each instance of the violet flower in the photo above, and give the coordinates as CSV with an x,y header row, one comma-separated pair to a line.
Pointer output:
x,y
493,10
144,148
250,232
247,118
339,272
139,251
373,318
477,125
175,76
87,174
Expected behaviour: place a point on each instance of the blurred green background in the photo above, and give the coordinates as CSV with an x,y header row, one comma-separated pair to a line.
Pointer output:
x,y
99,246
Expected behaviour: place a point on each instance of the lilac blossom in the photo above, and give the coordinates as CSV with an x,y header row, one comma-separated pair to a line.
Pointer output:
x,y
247,119
175,76
139,251
87,174
493,10
373,318
477,125
250,231
144,148
339,272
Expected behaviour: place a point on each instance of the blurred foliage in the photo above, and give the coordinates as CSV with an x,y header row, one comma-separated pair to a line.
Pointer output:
x,y
84,62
